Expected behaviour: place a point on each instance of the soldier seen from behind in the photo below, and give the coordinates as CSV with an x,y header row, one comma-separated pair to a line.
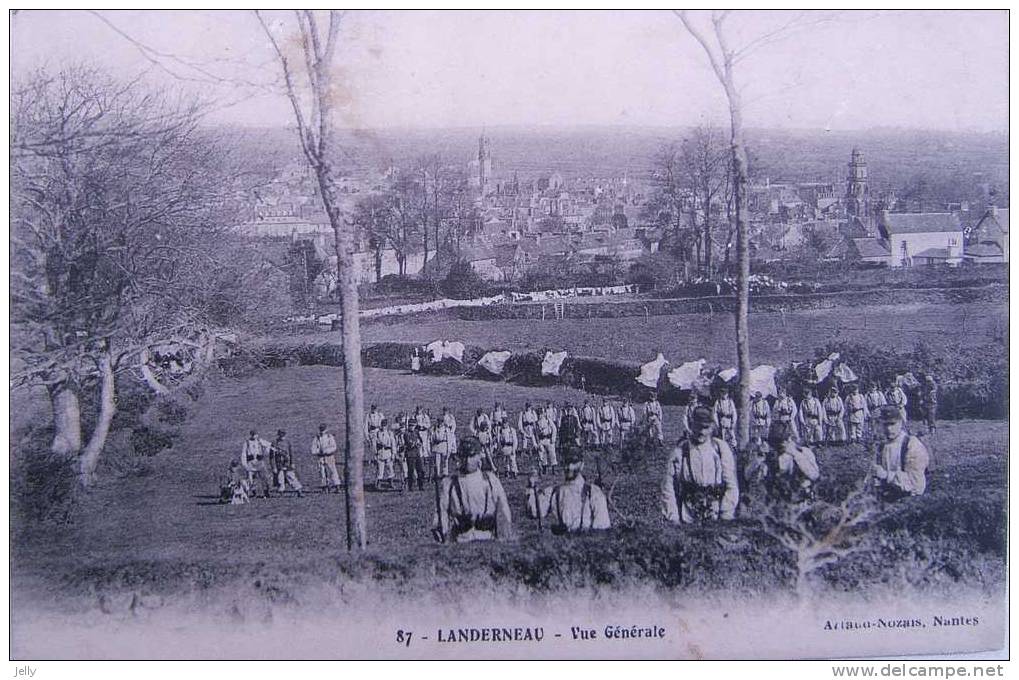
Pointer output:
x,y
472,504
575,505
283,464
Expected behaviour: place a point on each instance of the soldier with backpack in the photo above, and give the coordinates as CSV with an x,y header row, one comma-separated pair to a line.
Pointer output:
x,y
323,447
255,460
283,464
569,426
506,438
545,430
471,505
834,411
811,418
901,460
700,476
856,413
789,470
575,505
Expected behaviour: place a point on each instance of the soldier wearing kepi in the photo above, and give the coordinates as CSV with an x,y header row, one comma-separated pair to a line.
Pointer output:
x,y
506,435
700,476
725,416
372,425
526,421
546,432
449,419
811,417
608,422
790,470
900,465
443,447
255,460
834,411
385,456
472,505
760,416
283,463
653,416
323,447
499,415
589,424
627,418
575,505
785,411
413,460
897,398
857,414
875,400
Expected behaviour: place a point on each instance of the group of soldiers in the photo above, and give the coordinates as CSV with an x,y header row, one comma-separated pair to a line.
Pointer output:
x,y
420,448
849,417
701,479
266,467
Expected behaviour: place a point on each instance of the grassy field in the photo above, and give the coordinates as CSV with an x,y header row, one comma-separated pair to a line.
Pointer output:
x,y
160,530
776,338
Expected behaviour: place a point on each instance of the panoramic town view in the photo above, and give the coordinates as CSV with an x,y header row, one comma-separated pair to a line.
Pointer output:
x,y
286,349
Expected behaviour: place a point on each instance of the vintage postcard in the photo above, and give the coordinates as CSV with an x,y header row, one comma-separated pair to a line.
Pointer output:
x,y
508,334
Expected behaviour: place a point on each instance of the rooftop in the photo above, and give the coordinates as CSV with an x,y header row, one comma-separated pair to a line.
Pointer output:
x,y
920,223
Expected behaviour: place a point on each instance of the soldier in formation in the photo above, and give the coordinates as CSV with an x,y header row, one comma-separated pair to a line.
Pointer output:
x,y
323,447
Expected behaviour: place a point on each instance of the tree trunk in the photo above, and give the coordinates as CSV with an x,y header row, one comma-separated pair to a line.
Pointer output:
x,y
149,376
707,232
66,419
353,373
740,170
107,409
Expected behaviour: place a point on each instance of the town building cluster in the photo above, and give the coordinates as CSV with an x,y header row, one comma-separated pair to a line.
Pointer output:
x,y
598,224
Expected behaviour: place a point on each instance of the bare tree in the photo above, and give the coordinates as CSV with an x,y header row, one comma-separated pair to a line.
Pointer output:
x,y
310,82
114,197
818,533
705,167
724,56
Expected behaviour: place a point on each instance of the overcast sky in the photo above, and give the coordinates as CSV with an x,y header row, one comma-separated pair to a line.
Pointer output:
x,y
940,70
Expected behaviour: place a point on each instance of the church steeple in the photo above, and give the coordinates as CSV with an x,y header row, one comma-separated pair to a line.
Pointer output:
x,y
857,192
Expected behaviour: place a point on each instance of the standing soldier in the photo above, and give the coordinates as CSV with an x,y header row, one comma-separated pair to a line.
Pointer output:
x,y
575,505
449,420
811,416
725,415
569,426
900,465
283,463
875,400
526,422
423,423
546,431
760,416
857,415
487,440
653,417
930,404
443,447
415,361
553,413
785,411
700,476
472,505
897,398
480,418
323,447
834,412
372,425
608,422
254,459
589,424
627,418
414,461
385,455
506,435
499,415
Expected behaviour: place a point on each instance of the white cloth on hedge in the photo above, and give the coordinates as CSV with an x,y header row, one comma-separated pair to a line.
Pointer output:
x,y
495,362
651,371
684,377
824,368
728,374
552,362
762,379
440,349
845,374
